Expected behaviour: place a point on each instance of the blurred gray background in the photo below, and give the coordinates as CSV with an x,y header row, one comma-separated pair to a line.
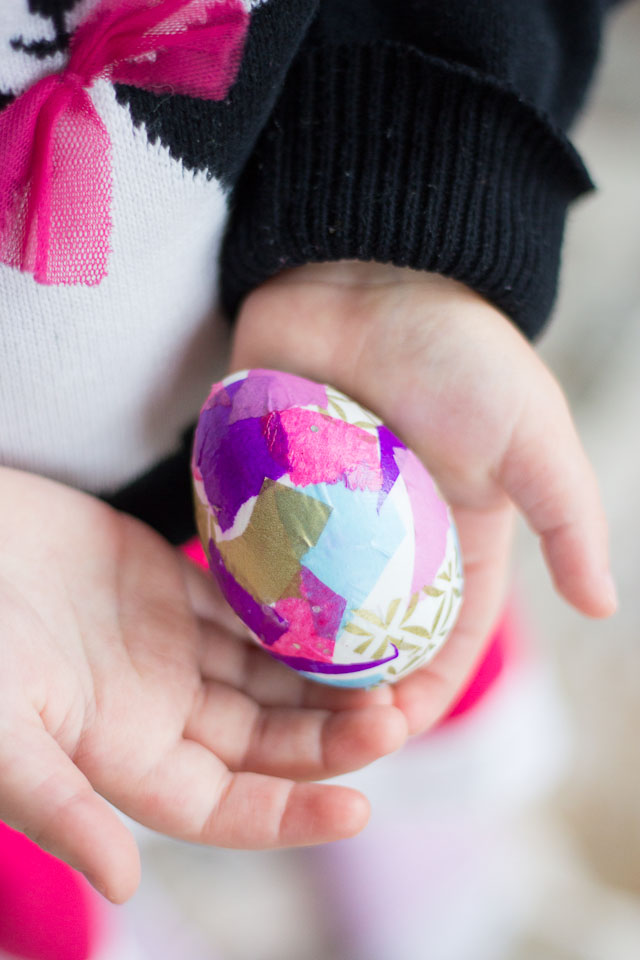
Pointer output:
x,y
570,842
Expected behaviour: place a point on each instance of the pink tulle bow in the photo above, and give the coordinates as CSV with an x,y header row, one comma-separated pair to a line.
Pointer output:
x,y
55,175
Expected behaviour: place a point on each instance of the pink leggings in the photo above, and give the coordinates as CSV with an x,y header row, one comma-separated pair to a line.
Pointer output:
x,y
49,912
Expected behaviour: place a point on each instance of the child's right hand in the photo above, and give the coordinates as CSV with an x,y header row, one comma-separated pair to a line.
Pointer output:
x,y
455,380
122,675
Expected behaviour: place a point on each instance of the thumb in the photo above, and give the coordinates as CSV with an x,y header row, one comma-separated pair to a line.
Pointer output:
x,y
546,473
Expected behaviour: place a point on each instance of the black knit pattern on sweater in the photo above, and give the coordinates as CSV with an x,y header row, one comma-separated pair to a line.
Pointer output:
x,y
429,134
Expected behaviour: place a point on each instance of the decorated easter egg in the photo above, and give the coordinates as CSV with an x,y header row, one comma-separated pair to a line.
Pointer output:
x,y
326,534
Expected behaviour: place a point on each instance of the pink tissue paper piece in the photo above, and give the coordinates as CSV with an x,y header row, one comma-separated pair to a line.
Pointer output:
x,y
324,449
301,639
430,517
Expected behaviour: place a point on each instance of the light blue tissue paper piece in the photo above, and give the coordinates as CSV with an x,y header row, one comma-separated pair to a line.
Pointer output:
x,y
356,543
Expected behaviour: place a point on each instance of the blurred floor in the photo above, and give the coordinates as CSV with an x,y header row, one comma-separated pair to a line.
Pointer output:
x,y
580,851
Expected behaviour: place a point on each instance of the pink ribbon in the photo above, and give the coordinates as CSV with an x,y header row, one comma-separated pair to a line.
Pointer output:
x,y
55,151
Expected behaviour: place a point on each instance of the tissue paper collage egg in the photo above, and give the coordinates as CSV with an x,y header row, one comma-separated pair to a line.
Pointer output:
x,y
326,534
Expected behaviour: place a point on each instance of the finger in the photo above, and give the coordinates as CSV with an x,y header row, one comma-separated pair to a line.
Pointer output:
x,y
485,538
294,743
45,796
191,795
546,473
245,666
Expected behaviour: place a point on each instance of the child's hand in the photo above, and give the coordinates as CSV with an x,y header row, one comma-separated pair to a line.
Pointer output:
x,y
458,383
120,675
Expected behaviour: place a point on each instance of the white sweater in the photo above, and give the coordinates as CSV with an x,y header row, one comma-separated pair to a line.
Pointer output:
x,y
97,383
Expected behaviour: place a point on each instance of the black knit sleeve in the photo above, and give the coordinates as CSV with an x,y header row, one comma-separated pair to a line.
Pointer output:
x,y
428,134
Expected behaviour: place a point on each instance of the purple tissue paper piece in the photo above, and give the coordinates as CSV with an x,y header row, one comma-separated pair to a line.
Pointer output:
x,y
388,465
327,607
223,396
264,392
317,666
234,460
261,618
276,439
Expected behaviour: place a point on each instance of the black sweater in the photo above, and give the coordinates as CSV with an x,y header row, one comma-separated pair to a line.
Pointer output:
x,y
428,133
425,133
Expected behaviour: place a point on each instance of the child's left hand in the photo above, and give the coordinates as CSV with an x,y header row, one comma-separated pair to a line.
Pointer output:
x,y
459,384
124,675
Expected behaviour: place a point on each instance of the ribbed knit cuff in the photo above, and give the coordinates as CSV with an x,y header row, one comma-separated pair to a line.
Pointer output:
x,y
382,153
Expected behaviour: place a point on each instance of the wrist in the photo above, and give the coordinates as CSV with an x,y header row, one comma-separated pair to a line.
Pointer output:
x,y
346,275
321,320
